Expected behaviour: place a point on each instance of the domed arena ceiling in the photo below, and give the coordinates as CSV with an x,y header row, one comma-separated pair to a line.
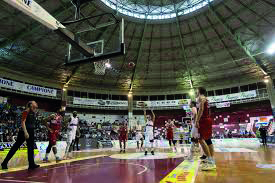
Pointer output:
x,y
174,44
155,9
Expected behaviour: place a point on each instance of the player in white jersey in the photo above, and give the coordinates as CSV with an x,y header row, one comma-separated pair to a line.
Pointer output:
x,y
139,136
149,132
71,133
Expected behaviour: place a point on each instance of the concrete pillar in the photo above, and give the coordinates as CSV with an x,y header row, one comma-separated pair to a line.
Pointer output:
x,y
130,110
271,94
64,94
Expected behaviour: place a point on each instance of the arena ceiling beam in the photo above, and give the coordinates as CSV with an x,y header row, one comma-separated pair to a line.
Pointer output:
x,y
244,23
196,48
138,56
33,27
237,39
226,48
189,75
256,14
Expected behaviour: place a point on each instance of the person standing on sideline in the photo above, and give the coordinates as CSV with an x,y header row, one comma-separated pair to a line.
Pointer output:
x,y
71,132
263,132
204,125
26,133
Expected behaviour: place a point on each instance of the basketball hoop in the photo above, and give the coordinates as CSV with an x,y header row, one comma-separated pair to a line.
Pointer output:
x,y
100,67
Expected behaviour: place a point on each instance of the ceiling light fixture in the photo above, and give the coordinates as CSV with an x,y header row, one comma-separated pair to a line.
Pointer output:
x,y
108,65
130,94
271,49
192,92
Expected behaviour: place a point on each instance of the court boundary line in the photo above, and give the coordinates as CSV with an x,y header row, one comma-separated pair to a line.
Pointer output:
x,y
49,164
23,181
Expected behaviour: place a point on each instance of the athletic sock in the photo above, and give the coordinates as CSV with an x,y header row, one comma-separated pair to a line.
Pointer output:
x,y
211,160
47,155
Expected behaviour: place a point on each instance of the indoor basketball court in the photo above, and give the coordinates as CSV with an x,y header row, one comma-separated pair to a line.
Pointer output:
x,y
122,91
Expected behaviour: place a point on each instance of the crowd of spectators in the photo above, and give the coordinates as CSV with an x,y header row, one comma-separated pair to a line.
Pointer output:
x,y
10,123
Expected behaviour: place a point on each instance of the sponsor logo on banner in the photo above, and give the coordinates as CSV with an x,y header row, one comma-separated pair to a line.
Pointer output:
x,y
222,105
163,103
99,102
4,83
234,96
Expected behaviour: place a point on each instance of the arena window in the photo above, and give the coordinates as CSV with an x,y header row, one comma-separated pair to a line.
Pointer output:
x,y
70,93
161,97
123,97
178,96
136,98
115,97
235,90
76,94
91,95
170,97
244,88
261,85
226,91
218,92
210,93
144,98
252,86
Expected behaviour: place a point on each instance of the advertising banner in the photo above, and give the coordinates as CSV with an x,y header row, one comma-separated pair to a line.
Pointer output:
x,y
99,102
222,105
234,96
5,83
42,146
163,103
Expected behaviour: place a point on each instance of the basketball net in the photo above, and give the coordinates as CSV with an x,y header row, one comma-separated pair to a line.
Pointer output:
x,y
100,67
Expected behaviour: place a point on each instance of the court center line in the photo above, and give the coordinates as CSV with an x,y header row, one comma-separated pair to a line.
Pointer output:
x,y
96,164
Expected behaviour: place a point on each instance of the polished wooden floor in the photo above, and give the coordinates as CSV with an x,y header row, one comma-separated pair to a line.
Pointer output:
x,y
234,165
241,167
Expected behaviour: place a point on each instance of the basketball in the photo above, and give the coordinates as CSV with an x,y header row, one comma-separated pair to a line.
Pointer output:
x,y
131,65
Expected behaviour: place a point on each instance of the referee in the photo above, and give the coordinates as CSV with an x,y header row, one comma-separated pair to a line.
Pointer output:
x,y
26,133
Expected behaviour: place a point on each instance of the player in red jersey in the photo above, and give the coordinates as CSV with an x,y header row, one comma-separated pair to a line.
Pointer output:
x,y
170,133
53,124
122,136
204,124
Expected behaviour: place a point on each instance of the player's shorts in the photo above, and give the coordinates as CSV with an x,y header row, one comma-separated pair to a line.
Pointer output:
x,y
205,129
139,136
122,137
53,137
149,136
170,135
71,134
